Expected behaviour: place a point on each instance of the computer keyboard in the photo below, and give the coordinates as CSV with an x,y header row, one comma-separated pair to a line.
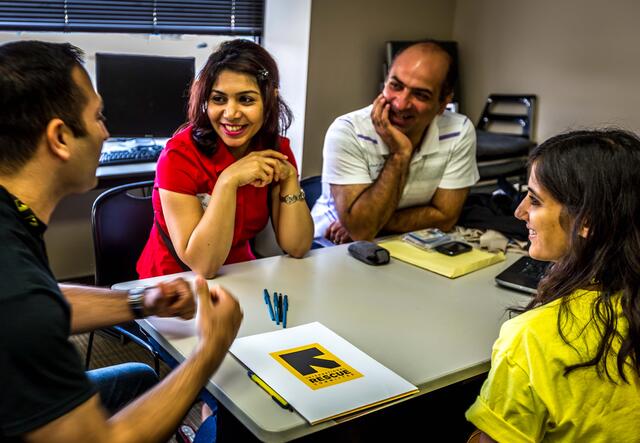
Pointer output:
x,y
137,154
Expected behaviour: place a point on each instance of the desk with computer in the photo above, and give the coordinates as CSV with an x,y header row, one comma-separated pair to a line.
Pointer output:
x,y
145,101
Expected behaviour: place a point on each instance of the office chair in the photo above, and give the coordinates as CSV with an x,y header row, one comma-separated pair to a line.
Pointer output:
x,y
264,244
121,219
502,155
312,187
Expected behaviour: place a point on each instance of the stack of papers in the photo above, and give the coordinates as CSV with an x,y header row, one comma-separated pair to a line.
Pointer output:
x,y
449,266
320,374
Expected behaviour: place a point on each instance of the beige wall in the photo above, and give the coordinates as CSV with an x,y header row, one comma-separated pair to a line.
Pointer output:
x,y
346,52
581,57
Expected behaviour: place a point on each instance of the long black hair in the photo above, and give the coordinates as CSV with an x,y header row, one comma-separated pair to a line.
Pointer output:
x,y
246,57
594,174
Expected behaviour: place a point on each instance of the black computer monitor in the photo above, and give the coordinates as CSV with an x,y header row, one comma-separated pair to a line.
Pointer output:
x,y
144,96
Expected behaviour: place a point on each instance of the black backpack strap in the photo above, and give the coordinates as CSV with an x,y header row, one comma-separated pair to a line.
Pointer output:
x,y
169,245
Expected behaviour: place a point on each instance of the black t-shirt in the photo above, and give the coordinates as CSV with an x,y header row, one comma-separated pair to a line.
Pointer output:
x,y
41,373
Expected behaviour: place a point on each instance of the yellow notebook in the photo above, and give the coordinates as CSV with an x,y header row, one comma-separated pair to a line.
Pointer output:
x,y
451,267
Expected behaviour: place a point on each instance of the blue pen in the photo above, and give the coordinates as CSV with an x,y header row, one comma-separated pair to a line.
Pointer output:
x,y
275,307
286,308
267,300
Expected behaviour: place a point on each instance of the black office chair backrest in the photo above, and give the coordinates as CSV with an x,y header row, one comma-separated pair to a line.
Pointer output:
x,y
504,138
312,187
509,110
121,219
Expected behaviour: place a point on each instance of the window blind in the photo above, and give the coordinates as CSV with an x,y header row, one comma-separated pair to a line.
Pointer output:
x,y
228,17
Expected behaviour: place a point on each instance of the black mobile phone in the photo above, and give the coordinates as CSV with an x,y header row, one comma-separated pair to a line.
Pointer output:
x,y
453,248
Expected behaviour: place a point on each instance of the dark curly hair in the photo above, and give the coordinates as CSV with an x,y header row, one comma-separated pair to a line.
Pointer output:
x,y
242,56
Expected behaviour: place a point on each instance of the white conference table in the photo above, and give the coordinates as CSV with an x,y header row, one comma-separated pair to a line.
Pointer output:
x,y
431,330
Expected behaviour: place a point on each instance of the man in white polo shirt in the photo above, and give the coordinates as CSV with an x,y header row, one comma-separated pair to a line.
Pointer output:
x,y
402,163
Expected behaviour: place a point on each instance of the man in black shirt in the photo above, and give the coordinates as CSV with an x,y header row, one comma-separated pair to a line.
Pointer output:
x,y
51,134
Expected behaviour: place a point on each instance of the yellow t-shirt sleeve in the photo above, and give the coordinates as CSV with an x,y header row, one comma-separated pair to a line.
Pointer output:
x,y
508,408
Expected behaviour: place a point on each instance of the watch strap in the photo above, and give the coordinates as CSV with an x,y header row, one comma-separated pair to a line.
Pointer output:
x,y
135,300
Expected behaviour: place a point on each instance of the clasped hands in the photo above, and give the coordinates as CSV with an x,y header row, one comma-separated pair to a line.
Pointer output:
x,y
337,233
260,168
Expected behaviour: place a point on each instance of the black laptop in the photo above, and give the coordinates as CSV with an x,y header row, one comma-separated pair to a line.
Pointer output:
x,y
523,275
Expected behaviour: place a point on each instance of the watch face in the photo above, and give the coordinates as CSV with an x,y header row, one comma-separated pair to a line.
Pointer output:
x,y
292,198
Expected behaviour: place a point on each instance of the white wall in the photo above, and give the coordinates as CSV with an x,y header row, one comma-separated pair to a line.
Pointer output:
x,y
286,37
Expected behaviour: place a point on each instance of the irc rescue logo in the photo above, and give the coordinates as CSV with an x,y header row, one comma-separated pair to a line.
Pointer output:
x,y
315,366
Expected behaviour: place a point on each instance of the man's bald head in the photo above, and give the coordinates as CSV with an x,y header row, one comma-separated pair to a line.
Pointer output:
x,y
429,49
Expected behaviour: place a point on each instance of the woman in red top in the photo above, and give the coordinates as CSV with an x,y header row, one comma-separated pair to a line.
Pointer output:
x,y
223,175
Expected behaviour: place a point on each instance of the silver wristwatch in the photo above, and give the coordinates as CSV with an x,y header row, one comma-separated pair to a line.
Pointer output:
x,y
135,301
292,198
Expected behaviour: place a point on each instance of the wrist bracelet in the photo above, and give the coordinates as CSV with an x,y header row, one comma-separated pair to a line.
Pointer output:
x,y
289,199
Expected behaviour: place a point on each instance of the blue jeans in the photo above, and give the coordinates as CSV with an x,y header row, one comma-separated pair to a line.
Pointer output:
x,y
208,430
120,384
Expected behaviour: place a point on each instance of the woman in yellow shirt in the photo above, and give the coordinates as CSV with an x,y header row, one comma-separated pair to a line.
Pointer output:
x,y
568,368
